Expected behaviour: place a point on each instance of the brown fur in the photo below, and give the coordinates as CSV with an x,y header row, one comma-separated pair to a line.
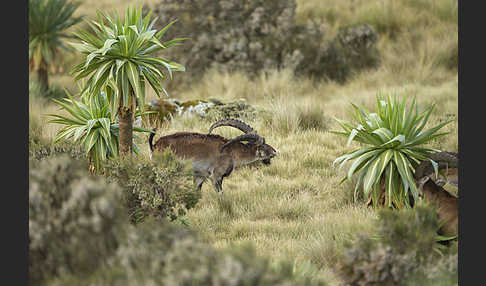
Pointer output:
x,y
190,145
204,150
433,192
447,205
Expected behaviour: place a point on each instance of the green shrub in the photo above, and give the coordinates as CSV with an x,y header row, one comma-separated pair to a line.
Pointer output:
x,y
52,92
41,147
235,109
256,36
79,234
41,150
161,187
36,130
392,144
193,263
74,219
449,56
404,251
93,125
312,117
161,253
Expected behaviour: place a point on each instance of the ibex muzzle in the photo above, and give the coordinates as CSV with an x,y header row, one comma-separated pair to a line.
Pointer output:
x,y
214,156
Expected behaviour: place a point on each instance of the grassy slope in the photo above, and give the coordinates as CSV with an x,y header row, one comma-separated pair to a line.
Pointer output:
x,y
295,208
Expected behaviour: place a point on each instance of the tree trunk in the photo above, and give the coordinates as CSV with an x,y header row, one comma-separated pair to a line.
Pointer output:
x,y
125,122
43,77
91,168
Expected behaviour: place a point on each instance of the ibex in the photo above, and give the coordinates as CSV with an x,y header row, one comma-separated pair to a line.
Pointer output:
x,y
432,192
214,156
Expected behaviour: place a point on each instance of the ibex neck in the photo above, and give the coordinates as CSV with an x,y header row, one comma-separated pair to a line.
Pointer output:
x,y
243,155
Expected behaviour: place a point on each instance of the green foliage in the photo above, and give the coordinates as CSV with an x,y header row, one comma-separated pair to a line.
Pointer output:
x,y
403,252
40,151
36,129
394,135
155,253
52,92
92,125
312,118
235,109
48,21
118,57
259,36
79,234
41,147
449,57
74,218
160,188
193,263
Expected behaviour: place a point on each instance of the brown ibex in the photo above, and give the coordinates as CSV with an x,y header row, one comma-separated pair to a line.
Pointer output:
x,y
214,156
434,193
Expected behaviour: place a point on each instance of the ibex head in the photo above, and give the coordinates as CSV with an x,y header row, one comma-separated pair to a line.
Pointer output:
x,y
425,169
262,151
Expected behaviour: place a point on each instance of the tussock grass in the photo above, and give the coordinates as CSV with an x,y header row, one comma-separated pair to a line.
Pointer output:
x,y
295,208
38,110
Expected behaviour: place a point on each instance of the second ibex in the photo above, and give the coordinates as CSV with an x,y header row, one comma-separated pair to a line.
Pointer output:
x,y
214,156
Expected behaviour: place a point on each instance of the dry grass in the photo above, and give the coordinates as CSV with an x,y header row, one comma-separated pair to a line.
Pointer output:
x,y
295,208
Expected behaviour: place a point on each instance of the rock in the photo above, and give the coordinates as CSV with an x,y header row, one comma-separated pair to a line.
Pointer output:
x,y
212,109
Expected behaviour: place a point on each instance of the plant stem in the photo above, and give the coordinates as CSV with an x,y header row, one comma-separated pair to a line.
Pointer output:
x,y
125,122
43,77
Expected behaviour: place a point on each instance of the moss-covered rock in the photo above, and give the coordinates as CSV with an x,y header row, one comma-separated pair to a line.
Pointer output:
x,y
211,109
236,109
161,110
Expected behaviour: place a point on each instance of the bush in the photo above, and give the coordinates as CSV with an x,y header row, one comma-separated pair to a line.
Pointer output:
x,y
53,91
42,151
74,219
36,130
262,35
41,147
193,263
156,253
312,117
392,143
403,252
160,188
79,234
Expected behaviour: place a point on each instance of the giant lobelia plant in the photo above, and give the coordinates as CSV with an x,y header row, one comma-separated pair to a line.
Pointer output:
x,y
48,22
119,60
392,140
90,123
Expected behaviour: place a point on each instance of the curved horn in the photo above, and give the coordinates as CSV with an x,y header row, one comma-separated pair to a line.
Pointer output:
x,y
251,137
444,159
233,122
450,157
